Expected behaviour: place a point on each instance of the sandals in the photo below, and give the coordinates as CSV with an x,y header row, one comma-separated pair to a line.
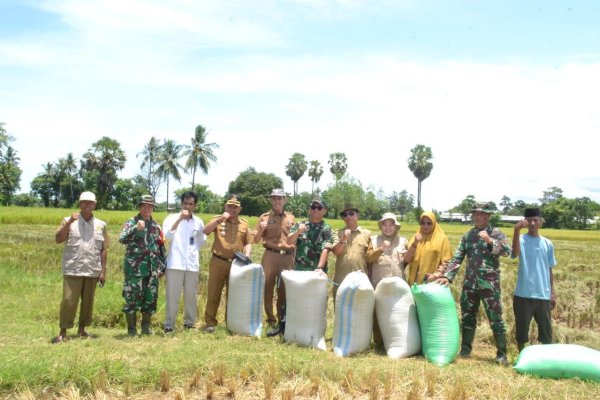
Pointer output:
x,y
59,339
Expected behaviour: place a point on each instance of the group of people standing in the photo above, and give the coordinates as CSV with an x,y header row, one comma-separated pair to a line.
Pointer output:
x,y
302,245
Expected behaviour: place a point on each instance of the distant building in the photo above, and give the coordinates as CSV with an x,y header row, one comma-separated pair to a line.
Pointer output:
x,y
448,216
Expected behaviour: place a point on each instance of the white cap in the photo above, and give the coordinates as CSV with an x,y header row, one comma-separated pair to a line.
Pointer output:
x,y
87,196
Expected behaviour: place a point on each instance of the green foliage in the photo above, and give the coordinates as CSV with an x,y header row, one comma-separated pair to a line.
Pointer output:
x,y
338,164
299,205
315,171
150,161
208,202
200,153
420,165
168,163
296,168
99,167
254,188
342,192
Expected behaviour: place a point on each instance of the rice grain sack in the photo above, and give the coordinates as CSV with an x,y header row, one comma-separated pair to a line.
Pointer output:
x,y
354,307
559,361
438,321
245,299
397,317
306,308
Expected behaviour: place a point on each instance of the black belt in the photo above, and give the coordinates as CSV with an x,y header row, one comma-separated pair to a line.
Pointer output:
x,y
222,258
282,252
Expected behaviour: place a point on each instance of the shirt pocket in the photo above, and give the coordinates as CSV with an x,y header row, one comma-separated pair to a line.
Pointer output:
x,y
98,241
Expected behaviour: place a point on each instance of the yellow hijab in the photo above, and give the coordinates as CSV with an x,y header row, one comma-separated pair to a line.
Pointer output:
x,y
432,251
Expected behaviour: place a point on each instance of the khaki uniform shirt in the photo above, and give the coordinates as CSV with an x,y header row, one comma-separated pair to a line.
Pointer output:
x,y
231,236
277,230
354,256
83,247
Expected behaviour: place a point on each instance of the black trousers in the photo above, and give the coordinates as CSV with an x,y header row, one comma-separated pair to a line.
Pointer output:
x,y
538,309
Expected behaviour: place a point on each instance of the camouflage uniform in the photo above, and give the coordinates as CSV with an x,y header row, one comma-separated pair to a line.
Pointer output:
x,y
309,246
482,278
143,261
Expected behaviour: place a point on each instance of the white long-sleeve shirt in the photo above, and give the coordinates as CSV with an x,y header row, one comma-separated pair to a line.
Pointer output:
x,y
185,242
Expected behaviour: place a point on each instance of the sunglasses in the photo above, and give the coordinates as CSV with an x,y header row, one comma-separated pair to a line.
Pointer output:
x,y
348,214
316,207
426,223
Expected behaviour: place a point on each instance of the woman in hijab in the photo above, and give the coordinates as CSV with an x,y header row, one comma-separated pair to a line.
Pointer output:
x,y
387,258
427,249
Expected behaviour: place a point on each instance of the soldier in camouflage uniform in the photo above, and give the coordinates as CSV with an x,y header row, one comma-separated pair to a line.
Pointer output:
x,y
483,245
143,265
313,239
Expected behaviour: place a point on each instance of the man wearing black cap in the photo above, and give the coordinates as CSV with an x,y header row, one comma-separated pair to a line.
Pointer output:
x,y
534,293
483,246
352,248
313,239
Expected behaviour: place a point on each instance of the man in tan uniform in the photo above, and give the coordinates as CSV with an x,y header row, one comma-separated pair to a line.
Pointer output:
x,y
273,229
233,234
352,248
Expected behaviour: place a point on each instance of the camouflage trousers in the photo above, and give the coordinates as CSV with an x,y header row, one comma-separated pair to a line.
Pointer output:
x,y
140,293
487,292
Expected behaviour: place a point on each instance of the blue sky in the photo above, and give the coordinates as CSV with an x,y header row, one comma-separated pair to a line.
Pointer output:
x,y
504,92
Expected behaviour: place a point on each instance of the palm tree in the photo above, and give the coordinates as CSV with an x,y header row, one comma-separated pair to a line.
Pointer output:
x,y
315,172
68,166
338,164
420,166
169,163
295,169
200,153
151,154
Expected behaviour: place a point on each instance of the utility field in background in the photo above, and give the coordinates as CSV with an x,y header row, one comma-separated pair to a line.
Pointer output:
x,y
194,365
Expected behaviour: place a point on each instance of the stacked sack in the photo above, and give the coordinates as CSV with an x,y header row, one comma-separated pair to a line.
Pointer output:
x,y
397,318
245,298
306,308
354,306
439,322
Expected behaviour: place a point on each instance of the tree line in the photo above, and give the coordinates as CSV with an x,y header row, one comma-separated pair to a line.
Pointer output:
x,y
160,161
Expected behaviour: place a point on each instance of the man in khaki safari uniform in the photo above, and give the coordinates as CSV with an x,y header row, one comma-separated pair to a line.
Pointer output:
x,y
83,264
232,234
273,229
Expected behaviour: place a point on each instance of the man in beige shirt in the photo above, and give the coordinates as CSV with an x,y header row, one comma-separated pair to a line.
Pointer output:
x,y
352,247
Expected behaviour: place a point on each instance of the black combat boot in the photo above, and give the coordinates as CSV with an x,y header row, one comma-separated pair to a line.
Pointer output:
x,y
146,319
467,343
131,319
501,348
280,328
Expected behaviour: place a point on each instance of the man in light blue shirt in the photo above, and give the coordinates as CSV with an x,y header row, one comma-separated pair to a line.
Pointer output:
x,y
534,294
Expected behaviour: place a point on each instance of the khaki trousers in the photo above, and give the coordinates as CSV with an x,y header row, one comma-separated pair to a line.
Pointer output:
x,y
75,287
273,263
218,277
178,280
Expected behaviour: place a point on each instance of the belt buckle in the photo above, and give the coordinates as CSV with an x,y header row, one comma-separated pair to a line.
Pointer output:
x,y
282,252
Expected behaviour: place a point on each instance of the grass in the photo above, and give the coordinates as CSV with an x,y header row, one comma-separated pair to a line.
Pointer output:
x,y
191,364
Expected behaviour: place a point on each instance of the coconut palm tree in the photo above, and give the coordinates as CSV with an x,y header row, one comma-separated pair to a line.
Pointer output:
x,y
150,156
420,166
168,163
315,172
295,169
200,153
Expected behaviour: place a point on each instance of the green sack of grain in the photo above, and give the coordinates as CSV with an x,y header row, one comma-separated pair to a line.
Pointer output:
x,y
560,361
438,321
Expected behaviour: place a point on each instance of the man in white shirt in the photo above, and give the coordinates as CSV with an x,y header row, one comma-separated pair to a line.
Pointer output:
x,y
185,232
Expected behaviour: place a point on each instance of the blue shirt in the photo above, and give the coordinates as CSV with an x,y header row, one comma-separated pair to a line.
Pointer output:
x,y
535,261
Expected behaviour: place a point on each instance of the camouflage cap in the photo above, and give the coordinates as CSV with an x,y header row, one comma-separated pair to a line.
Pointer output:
x,y
318,200
277,193
146,199
485,207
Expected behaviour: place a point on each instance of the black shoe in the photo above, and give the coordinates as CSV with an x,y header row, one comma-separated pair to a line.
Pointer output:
x,y
278,330
187,327
465,353
169,330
